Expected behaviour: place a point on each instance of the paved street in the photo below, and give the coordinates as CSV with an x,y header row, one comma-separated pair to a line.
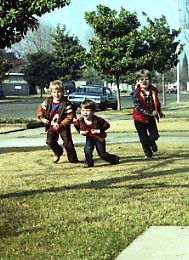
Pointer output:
x,y
27,108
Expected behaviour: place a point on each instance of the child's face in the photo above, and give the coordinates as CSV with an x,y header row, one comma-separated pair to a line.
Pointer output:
x,y
86,113
144,82
56,94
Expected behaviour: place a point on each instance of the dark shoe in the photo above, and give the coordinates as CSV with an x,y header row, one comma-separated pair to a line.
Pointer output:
x,y
148,155
154,147
116,160
56,158
74,161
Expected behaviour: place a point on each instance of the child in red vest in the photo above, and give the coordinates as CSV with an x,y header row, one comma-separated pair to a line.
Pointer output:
x,y
93,127
147,108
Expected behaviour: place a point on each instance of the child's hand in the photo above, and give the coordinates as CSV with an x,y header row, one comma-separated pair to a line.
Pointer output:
x,y
55,127
45,121
154,113
83,132
95,131
161,114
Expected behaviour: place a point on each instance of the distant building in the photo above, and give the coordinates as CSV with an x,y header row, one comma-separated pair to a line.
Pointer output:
x,y
123,87
187,86
13,84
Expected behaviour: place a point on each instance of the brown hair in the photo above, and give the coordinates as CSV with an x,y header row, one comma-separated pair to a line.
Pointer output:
x,y
143,73
89,104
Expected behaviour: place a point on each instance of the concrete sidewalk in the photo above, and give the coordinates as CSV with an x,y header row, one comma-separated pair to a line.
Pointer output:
x,y
36,137
159,243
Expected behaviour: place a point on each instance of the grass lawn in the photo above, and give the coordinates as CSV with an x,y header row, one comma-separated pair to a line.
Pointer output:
x,y
63,211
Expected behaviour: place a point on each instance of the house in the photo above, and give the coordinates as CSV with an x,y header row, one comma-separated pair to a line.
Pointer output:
x,y
13,84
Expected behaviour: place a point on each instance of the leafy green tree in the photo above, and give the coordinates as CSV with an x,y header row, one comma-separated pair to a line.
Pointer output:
x,y
69,55
120,47
17,17
163,47
170,75
5,65
91,76
40,69
114,48
184,74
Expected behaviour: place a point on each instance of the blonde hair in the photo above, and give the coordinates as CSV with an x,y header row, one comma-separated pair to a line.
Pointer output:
x,y
143,73
56,85
89,104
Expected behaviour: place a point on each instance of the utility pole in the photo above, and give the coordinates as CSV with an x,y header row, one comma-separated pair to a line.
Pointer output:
x,y
178,64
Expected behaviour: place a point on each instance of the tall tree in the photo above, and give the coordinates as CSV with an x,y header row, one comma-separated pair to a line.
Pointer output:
x,y
115,45
17,17
40,69
5,65
163,47
34,41
184,74
69,55
120,46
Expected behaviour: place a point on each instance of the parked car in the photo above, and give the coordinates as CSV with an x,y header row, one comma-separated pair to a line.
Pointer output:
x,y
100,94
171,89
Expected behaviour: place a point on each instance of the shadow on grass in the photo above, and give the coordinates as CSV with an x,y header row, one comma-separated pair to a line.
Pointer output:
x,y
144,173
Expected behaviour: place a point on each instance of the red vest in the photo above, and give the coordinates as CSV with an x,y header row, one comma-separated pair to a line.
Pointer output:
x,y
138,93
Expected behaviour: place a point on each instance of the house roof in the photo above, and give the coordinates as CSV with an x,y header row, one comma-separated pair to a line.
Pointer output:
x,y
17,64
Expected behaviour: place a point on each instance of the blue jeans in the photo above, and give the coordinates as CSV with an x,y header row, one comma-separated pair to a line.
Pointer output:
x,y
91,143
147,132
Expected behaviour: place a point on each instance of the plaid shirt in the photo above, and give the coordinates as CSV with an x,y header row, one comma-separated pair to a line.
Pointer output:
x,y
149,103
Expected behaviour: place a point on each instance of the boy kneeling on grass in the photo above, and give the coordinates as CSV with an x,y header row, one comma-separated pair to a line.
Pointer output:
x,y
93,127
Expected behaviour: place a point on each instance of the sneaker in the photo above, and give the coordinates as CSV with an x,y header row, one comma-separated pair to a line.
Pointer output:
x,y
148,155
154,147
85,165
116,160
56,158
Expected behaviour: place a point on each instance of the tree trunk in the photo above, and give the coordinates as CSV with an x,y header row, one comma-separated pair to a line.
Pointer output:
x,y
41,88
118,96
163,89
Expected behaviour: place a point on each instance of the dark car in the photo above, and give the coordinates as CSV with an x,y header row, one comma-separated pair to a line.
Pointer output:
x,y
100,94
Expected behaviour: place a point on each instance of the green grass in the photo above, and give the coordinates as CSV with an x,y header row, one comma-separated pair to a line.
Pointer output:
x,y
63,211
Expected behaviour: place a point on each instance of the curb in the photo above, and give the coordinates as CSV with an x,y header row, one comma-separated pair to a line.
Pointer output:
x,y
30,125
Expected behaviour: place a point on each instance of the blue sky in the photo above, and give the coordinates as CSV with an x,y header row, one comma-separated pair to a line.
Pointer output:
x,y
72,16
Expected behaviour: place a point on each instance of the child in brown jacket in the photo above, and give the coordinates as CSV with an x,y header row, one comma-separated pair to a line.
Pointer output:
x,y
57,113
